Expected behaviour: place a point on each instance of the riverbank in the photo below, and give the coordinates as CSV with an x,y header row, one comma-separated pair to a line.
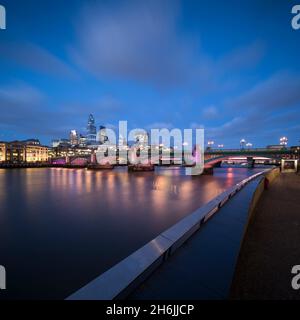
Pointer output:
x,y
271,244
24,165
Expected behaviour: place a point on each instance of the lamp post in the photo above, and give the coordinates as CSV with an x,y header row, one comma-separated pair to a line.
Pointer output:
x,y
242,143
283,141
249,145
210,144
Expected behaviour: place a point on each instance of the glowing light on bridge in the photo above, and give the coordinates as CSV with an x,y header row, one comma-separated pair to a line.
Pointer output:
x,y
59,161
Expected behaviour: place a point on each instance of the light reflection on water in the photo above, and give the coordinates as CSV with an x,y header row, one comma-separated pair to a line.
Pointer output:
x,y
60,228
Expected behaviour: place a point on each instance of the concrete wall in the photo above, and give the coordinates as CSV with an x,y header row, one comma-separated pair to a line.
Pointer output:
x,y
271,176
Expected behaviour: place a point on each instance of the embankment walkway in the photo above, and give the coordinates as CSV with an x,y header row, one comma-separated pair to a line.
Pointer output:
x,y
272,244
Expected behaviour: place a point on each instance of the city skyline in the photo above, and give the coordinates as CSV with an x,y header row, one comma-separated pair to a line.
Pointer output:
x,y
182,66
150,153
93,136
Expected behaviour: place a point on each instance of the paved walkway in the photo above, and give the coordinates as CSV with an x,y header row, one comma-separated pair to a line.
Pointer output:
x,y
204,266
272,244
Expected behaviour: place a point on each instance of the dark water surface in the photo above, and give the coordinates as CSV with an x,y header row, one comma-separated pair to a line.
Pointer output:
x,y
61,228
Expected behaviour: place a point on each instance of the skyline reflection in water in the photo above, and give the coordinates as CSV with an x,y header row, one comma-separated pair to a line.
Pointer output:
x,y
60,228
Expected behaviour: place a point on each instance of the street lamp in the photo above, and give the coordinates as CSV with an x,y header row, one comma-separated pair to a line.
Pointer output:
x,y
210,143
242,143
249,145
220,146
283,141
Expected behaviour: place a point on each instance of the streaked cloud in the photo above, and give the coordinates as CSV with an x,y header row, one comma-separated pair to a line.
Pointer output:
x,y
243,57
277,92
135,41
267,107
140,41
210,113
27,110
35,58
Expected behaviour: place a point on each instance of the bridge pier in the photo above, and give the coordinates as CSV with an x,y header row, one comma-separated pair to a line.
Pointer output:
x,y
93,158
208,171
250,162
140,167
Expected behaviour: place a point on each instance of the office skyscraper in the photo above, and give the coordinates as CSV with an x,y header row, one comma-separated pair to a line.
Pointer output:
x,y
91,130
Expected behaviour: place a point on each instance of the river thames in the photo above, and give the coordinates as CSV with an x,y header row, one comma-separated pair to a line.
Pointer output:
x,y
61,228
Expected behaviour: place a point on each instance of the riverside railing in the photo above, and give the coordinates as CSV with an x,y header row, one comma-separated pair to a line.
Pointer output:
x,y
127,275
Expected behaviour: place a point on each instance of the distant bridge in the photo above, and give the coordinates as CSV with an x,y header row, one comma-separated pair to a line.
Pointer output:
x,y
212,157
264,152
80,160
246,159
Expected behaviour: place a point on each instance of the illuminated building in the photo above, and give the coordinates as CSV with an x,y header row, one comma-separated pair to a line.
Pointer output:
x,y
63,151
91,130
74,138
36,153
15,152
55,143
29,151
2,151
82,141
296,151
60,142
35,142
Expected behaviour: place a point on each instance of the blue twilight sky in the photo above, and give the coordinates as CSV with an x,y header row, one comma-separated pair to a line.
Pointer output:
x,y
231,66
